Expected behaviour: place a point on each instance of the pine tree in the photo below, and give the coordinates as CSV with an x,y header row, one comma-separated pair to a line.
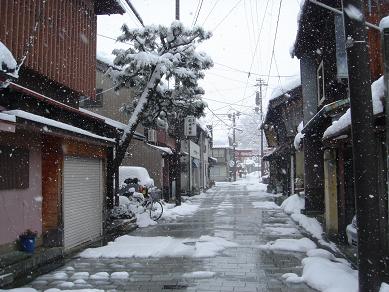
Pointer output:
x,y
158,56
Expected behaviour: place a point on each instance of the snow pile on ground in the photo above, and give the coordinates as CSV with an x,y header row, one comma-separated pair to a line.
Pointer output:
x,y
282,230
144,220
73,290
293,204
170,211
21,290
384,286
199,275
300,245
159,246
324,272
265,205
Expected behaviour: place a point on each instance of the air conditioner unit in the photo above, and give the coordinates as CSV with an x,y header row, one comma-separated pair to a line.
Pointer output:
x,y
151,136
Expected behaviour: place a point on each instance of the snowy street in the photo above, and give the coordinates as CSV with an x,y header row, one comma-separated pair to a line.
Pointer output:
x,y
218,248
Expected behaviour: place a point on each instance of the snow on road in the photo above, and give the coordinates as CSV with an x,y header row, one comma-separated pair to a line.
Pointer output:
x,y
159,246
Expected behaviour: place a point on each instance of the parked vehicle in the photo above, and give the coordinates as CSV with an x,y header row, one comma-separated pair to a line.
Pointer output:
x,y
134,177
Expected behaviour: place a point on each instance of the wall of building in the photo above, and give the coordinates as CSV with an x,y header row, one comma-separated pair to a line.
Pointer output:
x,y
139,154
21,209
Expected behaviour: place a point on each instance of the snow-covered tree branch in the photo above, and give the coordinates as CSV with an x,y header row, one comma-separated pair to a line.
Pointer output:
x,y
160,56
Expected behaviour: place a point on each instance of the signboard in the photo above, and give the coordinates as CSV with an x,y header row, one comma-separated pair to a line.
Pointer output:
x,y
194,150
190,127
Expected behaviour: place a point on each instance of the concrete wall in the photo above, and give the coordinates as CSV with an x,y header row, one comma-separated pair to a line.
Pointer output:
x,y
21,209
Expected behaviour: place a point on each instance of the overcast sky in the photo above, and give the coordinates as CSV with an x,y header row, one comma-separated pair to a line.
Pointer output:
x,y
236,26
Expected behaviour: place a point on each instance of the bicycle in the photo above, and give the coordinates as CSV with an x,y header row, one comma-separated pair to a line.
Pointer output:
x,y
149,200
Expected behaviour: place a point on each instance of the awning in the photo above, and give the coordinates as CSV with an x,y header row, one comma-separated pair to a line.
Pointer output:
x,y
195,162
55,124
165,150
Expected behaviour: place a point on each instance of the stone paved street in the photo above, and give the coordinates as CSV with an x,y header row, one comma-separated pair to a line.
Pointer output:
x,y
226,211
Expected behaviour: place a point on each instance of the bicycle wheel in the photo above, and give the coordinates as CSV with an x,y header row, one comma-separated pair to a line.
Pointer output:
x,y
156,210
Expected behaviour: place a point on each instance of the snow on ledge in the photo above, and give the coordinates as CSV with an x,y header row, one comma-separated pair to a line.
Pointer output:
x,y
7,117
53,123
384,23
377,93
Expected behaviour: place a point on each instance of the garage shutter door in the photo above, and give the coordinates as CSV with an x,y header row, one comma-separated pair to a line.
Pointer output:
x,y
82,200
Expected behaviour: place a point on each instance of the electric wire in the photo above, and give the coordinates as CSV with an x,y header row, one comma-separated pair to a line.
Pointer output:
x,y
213,7
198,13
274,43
228,14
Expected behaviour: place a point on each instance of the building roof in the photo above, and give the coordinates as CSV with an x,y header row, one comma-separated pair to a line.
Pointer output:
x,y
109,7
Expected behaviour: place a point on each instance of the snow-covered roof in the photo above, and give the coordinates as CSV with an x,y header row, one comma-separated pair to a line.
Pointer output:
x,y
53,123
299,15
108,121
7,61
163,149
377,93
7,117
202,124
287,86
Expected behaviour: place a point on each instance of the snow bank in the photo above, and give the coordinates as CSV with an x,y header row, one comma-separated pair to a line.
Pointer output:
x,y
300,245
185,209
265,205
199,275
325,275
293,204
144,220
7,61
143,247
282,230
309,224
384,286
377,94
21,290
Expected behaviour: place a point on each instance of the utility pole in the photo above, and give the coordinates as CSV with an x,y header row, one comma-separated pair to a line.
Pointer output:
x,y
258,102
234,143
364,149
233,118
178,126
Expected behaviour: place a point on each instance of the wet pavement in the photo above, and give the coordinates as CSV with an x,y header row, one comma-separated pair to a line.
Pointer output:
x,y
226,211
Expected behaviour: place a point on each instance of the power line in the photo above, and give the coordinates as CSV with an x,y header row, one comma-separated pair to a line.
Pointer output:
x,y
251,73
218,117
198,13
226,102
224,77
274,42
229,12
213,7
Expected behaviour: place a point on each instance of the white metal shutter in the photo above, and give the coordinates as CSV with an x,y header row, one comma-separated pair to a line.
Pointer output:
x,y
82,200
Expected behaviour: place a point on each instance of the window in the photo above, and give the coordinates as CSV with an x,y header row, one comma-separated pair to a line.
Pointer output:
x,y
320,83
14,168
89,102
218,153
